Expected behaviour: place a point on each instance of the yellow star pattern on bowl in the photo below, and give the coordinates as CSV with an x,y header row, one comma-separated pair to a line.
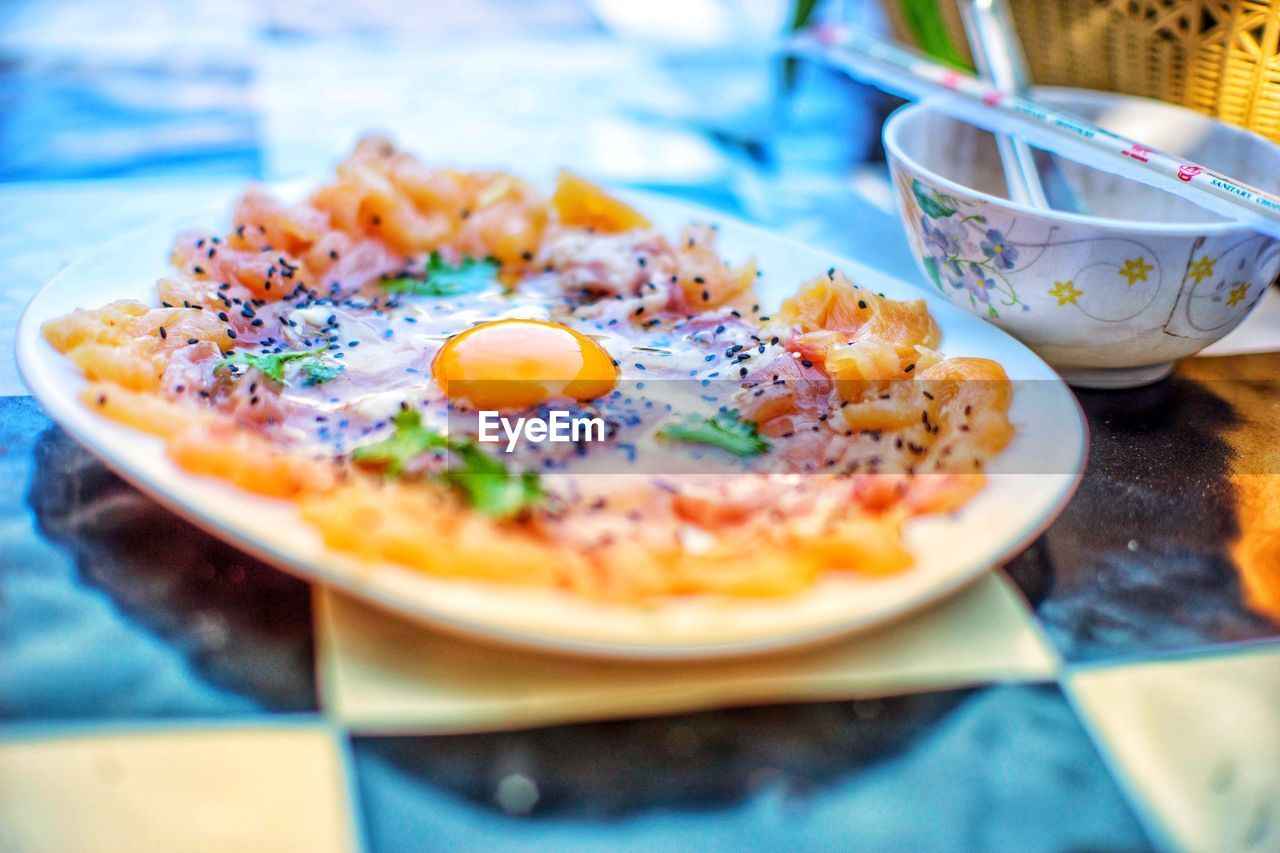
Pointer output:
x,y
1202,269
1065,292
1237,294
1135,270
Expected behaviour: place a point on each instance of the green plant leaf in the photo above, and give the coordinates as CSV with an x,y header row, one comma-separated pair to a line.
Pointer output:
x,y
929,30
312,363
443,279
320,370
489,486
408,441
726,430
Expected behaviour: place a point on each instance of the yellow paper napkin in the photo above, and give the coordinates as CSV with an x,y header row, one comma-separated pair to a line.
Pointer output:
x,y
380,673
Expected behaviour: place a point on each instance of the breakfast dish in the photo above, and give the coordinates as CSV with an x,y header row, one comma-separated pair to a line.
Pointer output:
x,y
347,353
500,556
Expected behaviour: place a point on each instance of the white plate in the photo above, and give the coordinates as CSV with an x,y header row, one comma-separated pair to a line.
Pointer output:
x,y
950,551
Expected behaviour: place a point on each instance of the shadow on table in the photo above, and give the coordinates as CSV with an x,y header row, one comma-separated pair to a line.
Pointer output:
x,y
1138,561
243,626
1000,767
688,762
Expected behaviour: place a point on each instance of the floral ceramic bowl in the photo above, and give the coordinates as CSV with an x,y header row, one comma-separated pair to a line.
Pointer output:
x,y
1110,299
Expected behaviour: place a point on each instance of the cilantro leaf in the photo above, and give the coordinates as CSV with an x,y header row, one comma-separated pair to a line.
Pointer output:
x,y
273,364
409,440
320,370
726,430
488,485
443,279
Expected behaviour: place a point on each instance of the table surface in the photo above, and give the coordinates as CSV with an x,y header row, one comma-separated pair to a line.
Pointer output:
x,y
118,621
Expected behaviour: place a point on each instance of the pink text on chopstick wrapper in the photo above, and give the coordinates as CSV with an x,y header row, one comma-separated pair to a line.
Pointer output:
x,y
1138,152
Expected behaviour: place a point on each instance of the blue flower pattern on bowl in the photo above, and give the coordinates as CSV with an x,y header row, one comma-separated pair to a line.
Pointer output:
x,y
965,254
998,250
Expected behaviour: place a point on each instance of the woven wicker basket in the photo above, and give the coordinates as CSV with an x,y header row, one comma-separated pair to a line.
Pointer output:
x,y
1220,57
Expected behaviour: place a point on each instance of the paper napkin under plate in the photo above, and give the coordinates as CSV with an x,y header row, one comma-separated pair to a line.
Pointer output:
x,y
381,673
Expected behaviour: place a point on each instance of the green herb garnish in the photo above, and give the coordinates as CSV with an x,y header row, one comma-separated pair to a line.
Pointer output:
x,y
726,430
443,279
320,370
315,367
488,485
410,440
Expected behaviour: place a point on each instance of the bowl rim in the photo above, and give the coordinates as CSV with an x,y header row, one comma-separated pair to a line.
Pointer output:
x,y
1063,95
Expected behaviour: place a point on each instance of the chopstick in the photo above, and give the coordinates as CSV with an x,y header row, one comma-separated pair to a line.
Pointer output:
x,y
965,97
997,55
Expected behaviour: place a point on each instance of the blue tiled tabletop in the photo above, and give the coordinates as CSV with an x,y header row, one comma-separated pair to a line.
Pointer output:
x,y
117,615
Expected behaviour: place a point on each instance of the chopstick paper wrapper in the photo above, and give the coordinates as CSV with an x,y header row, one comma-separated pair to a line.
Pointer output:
x,y
901,72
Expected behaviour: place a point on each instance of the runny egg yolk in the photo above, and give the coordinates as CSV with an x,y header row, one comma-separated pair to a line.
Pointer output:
x,y
514,364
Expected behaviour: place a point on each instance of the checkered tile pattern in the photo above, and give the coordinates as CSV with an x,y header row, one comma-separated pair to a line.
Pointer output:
x,y
1109,689
155,677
